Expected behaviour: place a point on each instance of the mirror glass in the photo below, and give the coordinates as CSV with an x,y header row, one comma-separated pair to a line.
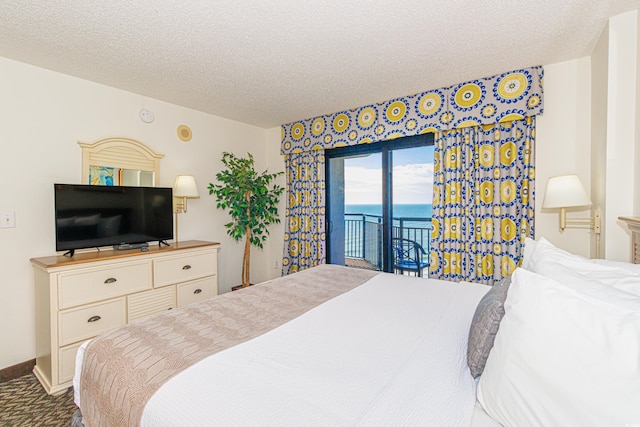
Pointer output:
x,y
103,175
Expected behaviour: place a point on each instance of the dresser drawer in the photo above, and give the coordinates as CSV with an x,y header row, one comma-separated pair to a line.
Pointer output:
x,y
171,270
197,290
96,284
67,364
150,302
87,322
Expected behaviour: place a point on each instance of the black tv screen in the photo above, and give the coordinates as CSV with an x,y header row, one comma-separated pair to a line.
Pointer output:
x,y
94,215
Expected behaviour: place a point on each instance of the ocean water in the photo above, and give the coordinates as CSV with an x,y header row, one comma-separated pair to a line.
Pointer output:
x,y
414,230
399,211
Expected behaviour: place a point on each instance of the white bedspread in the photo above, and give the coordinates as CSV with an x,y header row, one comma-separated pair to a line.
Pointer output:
x,y
390,352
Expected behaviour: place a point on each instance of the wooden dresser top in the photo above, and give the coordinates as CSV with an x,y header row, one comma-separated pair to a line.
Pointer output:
x,y
103,255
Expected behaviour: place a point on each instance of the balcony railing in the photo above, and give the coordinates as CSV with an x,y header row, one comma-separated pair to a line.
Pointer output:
x,y
363,235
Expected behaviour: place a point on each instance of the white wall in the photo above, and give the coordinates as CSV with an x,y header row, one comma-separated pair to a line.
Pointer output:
x,y
636,176
590,127
599,115
562,145
622,129
42,116
276,240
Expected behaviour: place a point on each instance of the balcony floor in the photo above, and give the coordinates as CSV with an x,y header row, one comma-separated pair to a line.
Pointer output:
x,y
359,263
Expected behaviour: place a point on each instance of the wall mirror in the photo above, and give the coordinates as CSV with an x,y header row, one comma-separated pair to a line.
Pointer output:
x,y
119,161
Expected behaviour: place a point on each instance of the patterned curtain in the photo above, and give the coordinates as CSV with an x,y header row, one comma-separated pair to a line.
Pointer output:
x,y
493,101
483,201
304,236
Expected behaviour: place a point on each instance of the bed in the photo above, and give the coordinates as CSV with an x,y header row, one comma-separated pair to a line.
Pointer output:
x,y
340,346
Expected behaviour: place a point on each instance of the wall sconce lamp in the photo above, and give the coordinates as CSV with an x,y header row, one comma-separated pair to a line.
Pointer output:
x,y
566,191
184,188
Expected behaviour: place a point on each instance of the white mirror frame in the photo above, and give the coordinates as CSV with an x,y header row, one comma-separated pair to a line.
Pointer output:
x,y
121,153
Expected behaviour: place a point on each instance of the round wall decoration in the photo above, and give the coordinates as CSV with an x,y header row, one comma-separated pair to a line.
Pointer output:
x,y
184,133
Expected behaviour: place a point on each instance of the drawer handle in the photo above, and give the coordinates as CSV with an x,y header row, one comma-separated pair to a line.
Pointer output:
x,y
94,319
186,267
197,291
111,280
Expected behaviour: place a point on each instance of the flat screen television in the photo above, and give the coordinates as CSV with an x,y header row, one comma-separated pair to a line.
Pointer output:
x,y
90,216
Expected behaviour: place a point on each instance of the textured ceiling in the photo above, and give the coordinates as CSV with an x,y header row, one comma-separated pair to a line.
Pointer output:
x,y
273,62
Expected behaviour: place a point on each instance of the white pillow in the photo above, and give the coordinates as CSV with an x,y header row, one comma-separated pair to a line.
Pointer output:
x,y
527,252
544,248
576,271
627,266
563,357
579,278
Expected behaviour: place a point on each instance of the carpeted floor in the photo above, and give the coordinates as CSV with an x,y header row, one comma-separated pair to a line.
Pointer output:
x,y
24,403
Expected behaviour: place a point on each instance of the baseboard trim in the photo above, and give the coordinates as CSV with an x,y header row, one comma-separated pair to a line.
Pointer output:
x,y
16,371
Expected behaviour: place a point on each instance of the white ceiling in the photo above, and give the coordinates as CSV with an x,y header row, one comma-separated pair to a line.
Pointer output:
x,y
276,61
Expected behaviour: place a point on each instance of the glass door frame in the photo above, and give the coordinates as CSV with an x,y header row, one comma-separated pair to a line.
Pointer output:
x,y
386,148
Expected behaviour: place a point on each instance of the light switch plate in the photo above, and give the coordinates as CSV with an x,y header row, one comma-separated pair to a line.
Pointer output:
x,y
7,219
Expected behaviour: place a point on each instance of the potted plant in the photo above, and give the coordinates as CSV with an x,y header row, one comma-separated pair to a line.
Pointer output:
x,y
251,199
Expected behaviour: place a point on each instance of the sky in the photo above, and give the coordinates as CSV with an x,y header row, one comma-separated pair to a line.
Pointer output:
x,y
412,177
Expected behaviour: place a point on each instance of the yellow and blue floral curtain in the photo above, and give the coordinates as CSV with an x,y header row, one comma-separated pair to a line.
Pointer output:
x,y
304,235
502,98
483,203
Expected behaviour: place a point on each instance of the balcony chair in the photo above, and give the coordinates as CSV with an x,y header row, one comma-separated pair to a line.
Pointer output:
x,y
408,255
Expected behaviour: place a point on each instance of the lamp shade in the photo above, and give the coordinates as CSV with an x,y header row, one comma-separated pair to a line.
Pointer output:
x,y
565,191
185,186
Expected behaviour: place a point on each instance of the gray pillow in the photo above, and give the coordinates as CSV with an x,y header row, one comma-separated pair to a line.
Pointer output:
x,y
484,326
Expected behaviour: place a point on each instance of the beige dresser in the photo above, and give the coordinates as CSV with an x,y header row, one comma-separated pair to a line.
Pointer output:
x,y
80,297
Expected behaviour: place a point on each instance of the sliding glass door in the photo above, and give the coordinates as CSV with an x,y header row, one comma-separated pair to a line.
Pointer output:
x,y
378,202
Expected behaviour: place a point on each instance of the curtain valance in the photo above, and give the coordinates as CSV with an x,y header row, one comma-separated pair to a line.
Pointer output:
x,y
500,98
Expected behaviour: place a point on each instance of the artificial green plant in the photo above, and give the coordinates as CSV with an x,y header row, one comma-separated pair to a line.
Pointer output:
x,y
251,199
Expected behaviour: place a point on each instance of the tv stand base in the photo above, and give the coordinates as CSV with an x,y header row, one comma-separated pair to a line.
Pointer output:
x,y
127,246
